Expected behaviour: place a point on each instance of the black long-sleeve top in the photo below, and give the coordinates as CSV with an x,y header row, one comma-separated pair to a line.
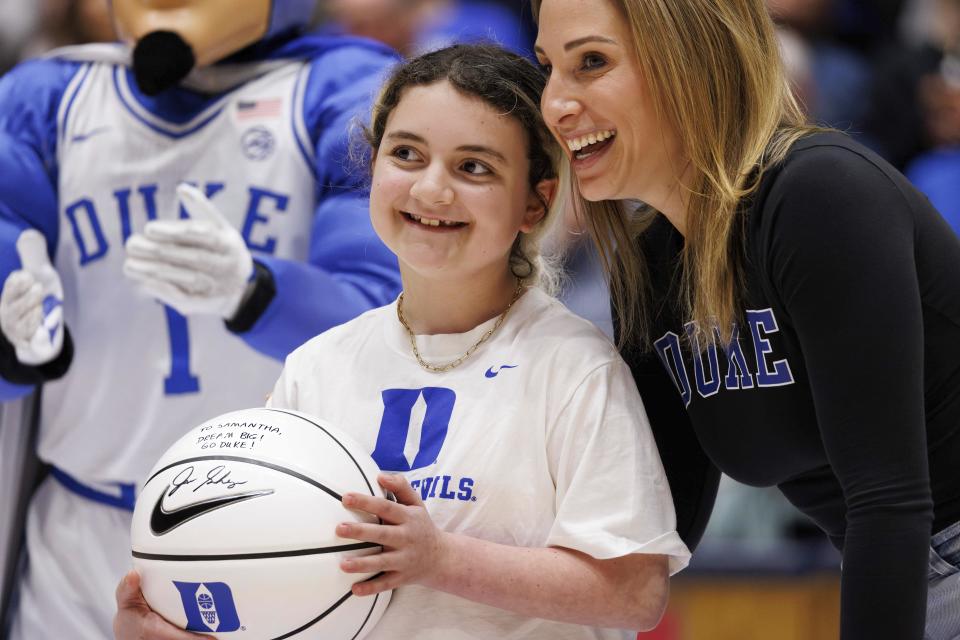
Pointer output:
x,y
842,386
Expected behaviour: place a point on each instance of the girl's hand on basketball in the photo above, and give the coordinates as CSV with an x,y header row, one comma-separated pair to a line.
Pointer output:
x,y
413,546
135,620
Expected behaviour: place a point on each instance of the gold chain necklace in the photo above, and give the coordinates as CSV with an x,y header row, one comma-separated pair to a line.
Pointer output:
x,y
450,365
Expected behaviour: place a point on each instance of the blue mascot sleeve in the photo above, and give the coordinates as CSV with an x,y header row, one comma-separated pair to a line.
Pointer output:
x,y
31,96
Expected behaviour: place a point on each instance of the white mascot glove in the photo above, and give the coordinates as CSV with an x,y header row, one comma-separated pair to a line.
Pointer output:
x,y
31,303
197,266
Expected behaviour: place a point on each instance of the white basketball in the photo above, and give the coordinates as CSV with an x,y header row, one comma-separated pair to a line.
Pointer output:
x,y
233,533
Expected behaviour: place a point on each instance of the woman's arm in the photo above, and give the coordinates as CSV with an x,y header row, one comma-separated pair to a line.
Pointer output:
x,y
629,592
842,262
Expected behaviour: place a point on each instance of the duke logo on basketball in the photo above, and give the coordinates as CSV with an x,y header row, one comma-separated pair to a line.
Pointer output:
x,y
209,606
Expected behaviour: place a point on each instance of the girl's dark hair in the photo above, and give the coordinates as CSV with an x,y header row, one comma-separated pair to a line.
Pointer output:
x,y
505,81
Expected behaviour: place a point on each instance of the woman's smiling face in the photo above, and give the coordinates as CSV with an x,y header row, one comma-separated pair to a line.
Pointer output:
x,y
597,103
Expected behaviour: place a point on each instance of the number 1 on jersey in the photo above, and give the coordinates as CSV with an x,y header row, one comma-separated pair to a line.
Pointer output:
x,y
179,380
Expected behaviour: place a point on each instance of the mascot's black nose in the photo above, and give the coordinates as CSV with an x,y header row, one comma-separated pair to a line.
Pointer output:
x,y
161,59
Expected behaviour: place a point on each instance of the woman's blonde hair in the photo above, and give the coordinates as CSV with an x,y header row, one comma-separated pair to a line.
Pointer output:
x,y
714,74
512,86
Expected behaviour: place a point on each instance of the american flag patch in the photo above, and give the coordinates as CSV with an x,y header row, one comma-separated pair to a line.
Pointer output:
x,y
258,109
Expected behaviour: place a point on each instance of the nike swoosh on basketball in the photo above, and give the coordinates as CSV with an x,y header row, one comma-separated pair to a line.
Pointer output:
x,y
490,373
163,521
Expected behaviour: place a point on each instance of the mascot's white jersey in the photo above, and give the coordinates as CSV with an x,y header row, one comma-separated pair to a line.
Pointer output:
x,y
118,167
87,160
538,439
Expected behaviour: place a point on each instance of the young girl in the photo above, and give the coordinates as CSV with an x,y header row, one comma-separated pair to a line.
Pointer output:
x,y
531,502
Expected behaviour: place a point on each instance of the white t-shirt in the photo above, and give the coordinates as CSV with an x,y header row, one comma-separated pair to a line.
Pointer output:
x,y
538,439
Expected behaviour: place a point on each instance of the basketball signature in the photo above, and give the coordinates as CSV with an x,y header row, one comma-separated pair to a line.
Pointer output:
x,y
218,475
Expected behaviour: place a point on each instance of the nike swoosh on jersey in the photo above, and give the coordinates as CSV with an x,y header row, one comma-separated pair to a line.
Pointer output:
x,y
490,373
81,137
163,521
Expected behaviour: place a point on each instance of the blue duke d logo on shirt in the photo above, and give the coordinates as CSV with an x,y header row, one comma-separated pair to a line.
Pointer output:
x,y
399,449
209,606
392,452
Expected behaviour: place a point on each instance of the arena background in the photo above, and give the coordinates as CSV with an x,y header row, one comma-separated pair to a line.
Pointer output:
x,y
885,71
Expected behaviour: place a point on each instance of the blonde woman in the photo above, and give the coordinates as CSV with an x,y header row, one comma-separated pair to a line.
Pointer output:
x,y
796,291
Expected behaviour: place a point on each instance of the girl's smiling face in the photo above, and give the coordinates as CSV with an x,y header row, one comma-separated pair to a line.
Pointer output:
x,y
450,188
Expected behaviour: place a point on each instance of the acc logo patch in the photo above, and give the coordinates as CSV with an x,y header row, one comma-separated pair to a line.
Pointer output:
x,y
209,606
258,143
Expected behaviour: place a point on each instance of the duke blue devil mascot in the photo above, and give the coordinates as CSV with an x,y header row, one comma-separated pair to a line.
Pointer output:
x,y
175,216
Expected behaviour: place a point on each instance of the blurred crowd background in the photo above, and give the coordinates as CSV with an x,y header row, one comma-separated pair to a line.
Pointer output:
x,y
887,72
